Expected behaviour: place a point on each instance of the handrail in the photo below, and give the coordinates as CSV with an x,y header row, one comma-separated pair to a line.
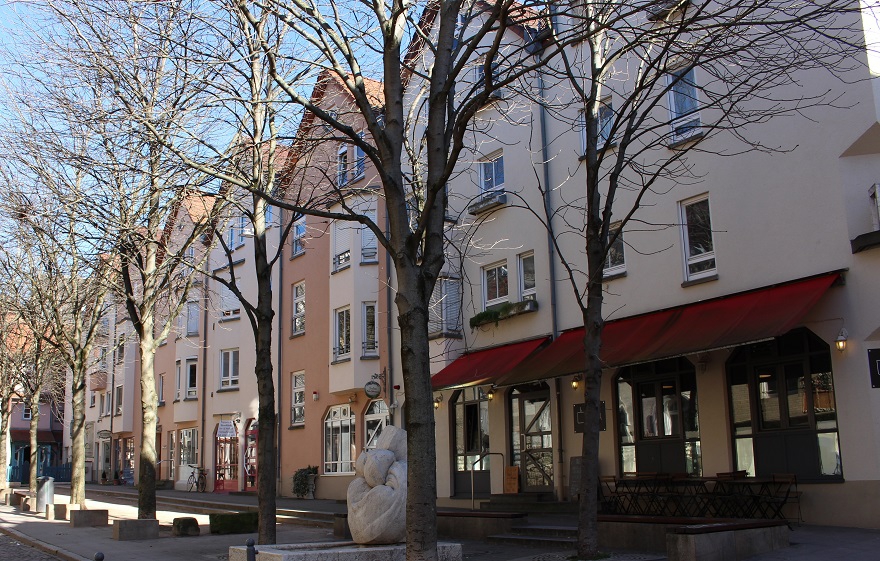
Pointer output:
x,y
479,458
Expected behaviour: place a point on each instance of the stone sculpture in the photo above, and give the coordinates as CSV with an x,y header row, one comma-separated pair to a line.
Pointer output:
x,y
377,496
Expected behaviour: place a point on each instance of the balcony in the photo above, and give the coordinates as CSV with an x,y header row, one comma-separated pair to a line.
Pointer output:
x,y
502,312
487,201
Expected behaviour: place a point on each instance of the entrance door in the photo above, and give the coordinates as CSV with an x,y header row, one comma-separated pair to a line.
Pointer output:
x,y
533,437
250,457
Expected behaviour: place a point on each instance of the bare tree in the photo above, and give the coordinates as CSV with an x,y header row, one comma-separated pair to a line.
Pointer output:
x,y
645,117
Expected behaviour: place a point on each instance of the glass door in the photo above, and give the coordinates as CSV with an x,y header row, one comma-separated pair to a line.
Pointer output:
x,y
533,439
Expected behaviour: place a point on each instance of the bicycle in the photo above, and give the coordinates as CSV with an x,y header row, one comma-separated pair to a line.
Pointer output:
x,y
198,482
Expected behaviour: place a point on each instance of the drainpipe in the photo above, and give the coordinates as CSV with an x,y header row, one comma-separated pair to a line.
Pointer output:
x,y
278,423
389,377
204,370
551,266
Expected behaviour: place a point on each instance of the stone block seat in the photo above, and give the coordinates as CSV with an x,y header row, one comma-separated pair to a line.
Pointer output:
x,y
725,541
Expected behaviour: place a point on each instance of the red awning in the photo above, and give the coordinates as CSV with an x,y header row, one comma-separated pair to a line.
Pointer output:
x,y
24,435
703,326
486,366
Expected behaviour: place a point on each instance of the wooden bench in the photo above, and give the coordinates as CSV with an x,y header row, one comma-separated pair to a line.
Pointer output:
x,y
729,540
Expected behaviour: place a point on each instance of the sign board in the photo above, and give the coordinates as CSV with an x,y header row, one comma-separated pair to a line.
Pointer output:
x,y
874,367
104,434
226,429
511,480
372,389
579,417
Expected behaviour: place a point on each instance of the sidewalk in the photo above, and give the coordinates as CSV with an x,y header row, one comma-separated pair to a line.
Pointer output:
x,y
809,543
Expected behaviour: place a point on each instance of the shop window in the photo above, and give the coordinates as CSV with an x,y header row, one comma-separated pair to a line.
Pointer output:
x,y
376,418
471,410
783,413
339,440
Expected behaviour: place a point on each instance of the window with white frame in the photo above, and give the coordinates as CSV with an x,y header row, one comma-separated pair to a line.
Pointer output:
x,y
91,398
495,284
444,308
269,215
339,440
683,104
118,399
369,245
696,231
527,276
229,368
191,378
298,237
376,418
189,260
102,358
192,318
120,349
492,173
101,408
298,322
26,413
189,448
341,244
360,160
178,382
480,76
108,403
603,127
160,388
370,339
236,233
874,195
342,329
230,306
298,398
342,165
614,260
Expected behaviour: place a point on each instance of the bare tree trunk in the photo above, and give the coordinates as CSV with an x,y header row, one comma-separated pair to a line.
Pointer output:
x,y
421,499
78,456
149,404
4,434
266,462
34,456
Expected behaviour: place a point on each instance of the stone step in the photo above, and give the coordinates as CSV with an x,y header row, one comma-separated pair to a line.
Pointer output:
x,y
546,530
530,507
533,541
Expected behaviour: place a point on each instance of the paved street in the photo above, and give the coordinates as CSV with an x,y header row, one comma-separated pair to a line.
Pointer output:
x,y
14,550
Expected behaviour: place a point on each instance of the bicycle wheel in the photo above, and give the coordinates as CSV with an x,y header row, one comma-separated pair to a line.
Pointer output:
x,y
203,483
191,482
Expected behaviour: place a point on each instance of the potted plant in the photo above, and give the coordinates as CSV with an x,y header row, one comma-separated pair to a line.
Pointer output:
x,y
304,482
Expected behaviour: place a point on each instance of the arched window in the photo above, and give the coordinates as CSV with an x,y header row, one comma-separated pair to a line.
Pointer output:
x,y
375,419
339,440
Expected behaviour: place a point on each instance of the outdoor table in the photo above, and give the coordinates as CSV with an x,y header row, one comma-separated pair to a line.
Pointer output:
x,y
746,497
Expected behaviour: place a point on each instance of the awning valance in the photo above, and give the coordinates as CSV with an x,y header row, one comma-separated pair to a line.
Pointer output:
x,y
721,322
485,366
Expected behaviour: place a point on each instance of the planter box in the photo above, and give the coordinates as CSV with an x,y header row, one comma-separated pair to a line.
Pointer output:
x,y
504,311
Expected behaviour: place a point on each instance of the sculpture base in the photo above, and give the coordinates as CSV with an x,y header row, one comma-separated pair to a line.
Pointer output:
x,y
339,551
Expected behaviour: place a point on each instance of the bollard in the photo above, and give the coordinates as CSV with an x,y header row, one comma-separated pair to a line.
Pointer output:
x,y
99,556
251,550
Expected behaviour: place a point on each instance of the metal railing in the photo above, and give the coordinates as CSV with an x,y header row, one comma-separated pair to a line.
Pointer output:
x,y
475,462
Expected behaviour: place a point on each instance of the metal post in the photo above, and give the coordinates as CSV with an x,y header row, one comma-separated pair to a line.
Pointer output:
x,y
251,550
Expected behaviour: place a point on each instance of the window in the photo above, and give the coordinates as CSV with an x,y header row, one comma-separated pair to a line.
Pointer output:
x,y
339,440
192,318
26,413
375,419
342,166
118,399
370,341
783,412
269,216
191,378
492,174
107,404
178,382
120,350
101,408
603,127
299,236
189,260
369,246
171,457
189,448
160,389
495,284
298,323
699,250
480,78
237,228
527,276
683,104
614,261
229,368
91,398
341,245
230,306
343,334
360,160
874,195
102,358
471,410
658,419
444,311
298,399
